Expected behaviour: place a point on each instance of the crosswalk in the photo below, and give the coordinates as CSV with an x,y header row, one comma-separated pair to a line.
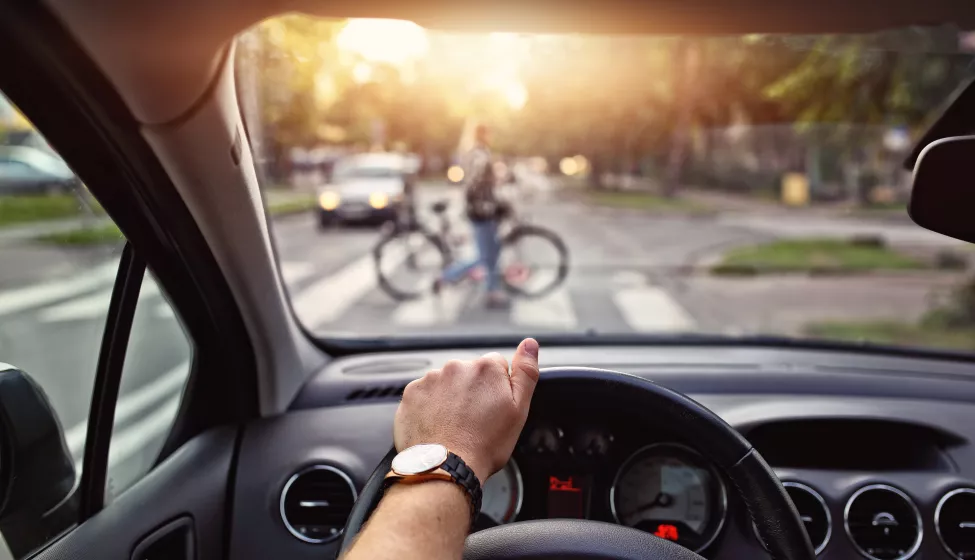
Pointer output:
x,y
350,301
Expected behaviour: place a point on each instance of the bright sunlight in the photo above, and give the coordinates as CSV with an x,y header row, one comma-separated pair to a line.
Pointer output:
x,y
384,40
400,43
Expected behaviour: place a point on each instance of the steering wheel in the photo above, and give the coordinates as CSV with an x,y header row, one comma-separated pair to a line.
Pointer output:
x,y
775,516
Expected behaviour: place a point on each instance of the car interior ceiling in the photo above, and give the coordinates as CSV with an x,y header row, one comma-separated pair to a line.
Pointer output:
x,y
151,120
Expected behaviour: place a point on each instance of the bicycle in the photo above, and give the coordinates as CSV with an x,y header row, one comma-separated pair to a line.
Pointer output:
x,y
409,257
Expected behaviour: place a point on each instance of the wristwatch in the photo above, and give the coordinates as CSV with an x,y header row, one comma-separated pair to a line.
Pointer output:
x,y
432,461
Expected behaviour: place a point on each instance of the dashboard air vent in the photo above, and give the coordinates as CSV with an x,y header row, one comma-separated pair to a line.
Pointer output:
x,y
377,392
883,523
955,521
316,502
813,512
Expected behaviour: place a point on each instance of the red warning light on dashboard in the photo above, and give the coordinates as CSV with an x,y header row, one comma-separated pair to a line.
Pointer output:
x,y
557,484
665,531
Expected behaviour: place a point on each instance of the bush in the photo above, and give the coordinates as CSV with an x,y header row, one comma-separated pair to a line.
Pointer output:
x,y
866,240
950,260
958,311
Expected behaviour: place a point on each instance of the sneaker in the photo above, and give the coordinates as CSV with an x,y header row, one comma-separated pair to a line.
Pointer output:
x,y
497,301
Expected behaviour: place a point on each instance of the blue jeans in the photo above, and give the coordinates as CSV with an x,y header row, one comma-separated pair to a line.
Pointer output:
x,y
488,247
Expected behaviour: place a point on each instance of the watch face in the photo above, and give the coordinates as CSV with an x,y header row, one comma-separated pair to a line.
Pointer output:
x,y
419,458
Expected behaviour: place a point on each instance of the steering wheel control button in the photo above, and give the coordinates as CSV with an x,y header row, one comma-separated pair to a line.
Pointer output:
x,y
883,523
954,520
419,459
673,492
316,502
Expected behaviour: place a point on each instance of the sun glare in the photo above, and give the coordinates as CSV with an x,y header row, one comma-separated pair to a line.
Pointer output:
x,y
384,40
515,94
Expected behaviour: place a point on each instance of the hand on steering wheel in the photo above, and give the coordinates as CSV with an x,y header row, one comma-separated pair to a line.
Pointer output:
x,y
475,409
433,405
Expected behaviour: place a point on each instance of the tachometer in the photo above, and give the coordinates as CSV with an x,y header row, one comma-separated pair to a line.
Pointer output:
x,y
671,491
502,494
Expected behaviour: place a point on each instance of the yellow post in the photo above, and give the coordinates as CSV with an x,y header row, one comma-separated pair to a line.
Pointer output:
x,y
795,189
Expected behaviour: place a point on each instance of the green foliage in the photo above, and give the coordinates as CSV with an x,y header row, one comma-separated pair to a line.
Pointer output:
x,y
894,77
648,202
896,333
23,209
85,236
958,310
814,256
617,100
291,205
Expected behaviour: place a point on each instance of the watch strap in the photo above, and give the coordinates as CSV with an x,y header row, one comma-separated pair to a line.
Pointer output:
x,y
453,469
465,477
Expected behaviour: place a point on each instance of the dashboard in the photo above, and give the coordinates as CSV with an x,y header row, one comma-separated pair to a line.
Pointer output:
x,y
876,452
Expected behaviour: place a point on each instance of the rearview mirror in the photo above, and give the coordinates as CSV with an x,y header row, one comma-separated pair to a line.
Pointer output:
x,y
943,195
36,470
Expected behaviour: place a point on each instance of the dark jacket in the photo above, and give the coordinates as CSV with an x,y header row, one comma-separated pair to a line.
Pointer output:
x,y
479,187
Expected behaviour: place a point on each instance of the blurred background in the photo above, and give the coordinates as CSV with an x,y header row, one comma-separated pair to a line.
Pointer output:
x,y
732,114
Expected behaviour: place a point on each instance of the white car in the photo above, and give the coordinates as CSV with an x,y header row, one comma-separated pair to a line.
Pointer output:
x,y
25,170
364,187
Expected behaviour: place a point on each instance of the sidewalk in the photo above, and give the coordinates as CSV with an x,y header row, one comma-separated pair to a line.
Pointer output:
x,y
730,202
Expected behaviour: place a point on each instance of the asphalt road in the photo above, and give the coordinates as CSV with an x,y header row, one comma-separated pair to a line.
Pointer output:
x,y
620,265
629,272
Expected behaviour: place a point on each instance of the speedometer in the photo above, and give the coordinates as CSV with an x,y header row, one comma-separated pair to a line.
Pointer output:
x,y
673,492
502,494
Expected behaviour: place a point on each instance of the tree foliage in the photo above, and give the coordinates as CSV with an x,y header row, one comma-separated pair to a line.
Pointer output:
x,y
616,100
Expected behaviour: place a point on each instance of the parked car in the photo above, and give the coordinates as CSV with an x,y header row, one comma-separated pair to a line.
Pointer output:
x,y
25,170
364,188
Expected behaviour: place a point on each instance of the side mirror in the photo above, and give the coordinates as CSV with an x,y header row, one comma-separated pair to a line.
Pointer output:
x,y
943,195
36,470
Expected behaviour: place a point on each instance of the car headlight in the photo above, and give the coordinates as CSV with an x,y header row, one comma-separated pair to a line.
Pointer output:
x,y
329,200
378,200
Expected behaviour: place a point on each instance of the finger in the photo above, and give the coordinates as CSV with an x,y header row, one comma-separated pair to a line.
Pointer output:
x,y
524,371
497,360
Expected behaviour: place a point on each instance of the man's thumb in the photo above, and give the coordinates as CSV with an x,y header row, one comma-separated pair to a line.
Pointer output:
x,y
524,371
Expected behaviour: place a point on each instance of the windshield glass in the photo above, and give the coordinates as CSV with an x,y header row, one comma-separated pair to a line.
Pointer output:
x,y
604,184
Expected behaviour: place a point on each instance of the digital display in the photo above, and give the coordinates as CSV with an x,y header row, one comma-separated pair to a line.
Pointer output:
x,y
568,497
667,531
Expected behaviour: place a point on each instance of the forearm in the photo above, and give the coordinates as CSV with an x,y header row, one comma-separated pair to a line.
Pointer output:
x,y
416,521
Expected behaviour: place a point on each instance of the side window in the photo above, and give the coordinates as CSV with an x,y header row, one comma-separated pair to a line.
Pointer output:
x,y
59,263
59,258
157,363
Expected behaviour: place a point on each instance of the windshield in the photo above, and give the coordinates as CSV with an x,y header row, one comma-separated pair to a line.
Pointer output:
x,y
604,185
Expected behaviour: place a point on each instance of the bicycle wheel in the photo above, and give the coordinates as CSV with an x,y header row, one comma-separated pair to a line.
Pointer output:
x,y
408,261
533,261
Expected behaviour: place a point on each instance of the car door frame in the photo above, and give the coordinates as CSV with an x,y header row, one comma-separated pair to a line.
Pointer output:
x,y
93,130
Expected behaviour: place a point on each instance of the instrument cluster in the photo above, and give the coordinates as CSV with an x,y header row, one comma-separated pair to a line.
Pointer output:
x,y
609,472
